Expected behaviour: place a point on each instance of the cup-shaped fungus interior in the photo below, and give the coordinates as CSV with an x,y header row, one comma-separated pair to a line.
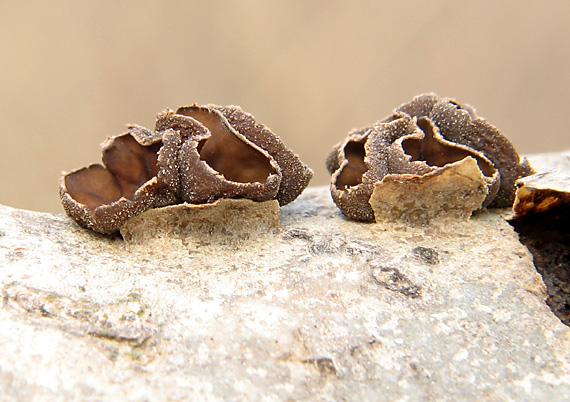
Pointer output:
x,y
438,152
128,166
93,186
225,152
352,172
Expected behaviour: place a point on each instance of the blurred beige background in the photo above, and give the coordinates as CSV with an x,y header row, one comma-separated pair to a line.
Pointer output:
x,y
73,73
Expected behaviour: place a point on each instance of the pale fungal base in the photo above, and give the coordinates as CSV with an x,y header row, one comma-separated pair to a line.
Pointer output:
x,y
225,221
453,192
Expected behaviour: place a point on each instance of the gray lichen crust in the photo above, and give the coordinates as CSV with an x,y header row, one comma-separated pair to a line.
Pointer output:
x,y
198,154
421,137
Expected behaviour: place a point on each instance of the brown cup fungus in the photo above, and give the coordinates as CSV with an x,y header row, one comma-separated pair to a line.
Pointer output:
x,y
198,154
541,192
431,157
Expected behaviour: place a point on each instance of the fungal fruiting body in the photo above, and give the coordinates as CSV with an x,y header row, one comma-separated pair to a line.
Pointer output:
x,y
431,156
198,154
541,192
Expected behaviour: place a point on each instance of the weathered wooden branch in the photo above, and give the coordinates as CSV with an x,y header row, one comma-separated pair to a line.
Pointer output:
x,y
316,307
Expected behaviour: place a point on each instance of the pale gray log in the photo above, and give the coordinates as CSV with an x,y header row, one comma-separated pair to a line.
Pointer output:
x,y
323,309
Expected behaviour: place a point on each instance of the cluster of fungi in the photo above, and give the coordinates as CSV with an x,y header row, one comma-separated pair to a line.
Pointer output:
x,y
200,154
422,137
197,155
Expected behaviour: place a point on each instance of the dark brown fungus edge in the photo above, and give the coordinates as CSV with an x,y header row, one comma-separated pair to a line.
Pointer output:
x,y
197,154
461,125
296,175
420,137
102,198
216,161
